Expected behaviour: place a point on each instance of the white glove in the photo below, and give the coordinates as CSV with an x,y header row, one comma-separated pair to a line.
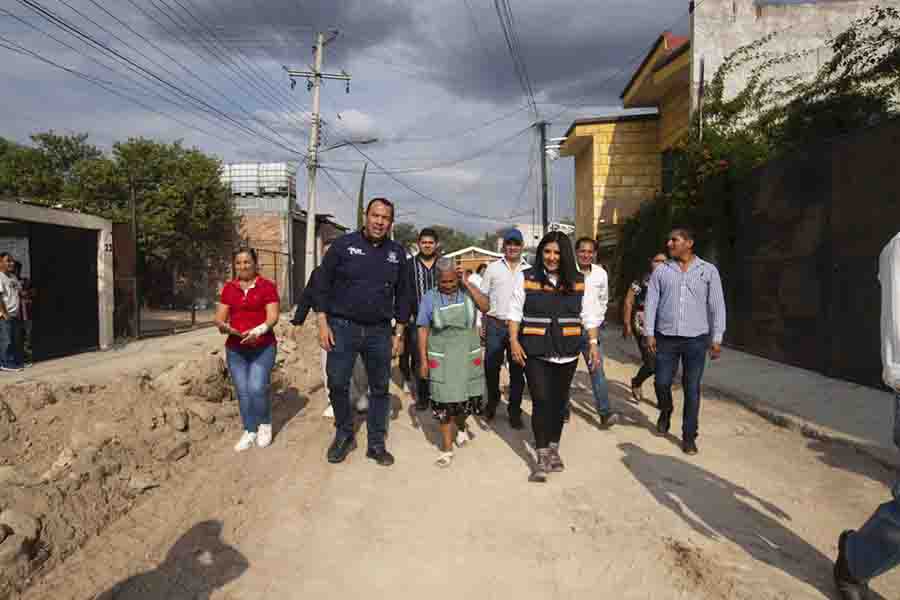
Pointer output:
x,y
259,330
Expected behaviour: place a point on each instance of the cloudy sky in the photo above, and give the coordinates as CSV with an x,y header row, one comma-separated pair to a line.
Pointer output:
x,y
433,81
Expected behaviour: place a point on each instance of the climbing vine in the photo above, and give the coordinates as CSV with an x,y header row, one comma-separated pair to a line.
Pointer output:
x,y
771,116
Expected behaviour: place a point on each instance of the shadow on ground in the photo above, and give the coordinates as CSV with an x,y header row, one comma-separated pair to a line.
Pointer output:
x,y
291,404
197,564
721,510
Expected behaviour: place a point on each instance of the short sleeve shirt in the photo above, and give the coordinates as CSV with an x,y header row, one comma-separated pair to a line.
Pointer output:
x,y
432,297
10,293
247,309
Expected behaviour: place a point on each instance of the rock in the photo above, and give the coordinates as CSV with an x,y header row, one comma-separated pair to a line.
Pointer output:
x,y
179,419
5,532
6,413
141,483
229,410
173,451
60,465
22,524
39,396
13,549
202,411
10,476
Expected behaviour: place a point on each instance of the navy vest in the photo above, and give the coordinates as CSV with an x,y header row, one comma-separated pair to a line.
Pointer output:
x,y
551,325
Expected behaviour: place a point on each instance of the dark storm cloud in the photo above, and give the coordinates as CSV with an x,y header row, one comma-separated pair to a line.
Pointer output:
x,y
574,50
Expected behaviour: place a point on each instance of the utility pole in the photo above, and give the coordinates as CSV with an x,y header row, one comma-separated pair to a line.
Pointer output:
x,y
314,83
136,327
545,222
361,207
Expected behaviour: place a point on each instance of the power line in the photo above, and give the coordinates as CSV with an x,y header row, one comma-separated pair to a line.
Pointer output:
x,y
426,197
10,45
144,87
65,25
171,58
504,13
445,165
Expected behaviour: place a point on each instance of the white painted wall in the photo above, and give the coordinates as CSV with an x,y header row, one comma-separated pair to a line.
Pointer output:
x,y
719,27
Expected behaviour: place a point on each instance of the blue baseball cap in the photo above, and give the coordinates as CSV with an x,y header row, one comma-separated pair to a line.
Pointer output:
x,y
513,235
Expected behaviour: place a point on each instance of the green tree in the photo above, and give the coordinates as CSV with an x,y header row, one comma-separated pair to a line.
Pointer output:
x,y
405,234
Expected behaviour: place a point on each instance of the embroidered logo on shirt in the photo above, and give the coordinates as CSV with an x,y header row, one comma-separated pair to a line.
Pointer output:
x,y
355,251
392,257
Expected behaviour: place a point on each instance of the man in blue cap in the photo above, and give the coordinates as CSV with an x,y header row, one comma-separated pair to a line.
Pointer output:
x,y
500,279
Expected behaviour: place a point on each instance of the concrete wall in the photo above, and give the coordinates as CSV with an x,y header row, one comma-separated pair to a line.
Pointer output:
x,y
17,211
719,27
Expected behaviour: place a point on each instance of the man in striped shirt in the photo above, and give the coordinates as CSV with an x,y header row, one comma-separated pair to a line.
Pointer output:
x,y
422,275
684,317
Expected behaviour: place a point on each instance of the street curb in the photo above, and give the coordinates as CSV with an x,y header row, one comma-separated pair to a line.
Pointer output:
x,y
886,457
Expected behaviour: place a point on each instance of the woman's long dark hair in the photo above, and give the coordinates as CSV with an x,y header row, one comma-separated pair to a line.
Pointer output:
x,y
568,268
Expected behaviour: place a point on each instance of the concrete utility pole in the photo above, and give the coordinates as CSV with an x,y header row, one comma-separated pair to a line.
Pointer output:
x,y
314,82
542,127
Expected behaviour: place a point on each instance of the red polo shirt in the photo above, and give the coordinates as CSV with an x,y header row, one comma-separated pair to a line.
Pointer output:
x,y
247,310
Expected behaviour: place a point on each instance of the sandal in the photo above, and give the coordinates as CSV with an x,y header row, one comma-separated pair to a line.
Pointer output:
x,y
444,460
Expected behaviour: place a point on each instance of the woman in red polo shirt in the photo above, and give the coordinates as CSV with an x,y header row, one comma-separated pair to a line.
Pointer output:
x,y
247,313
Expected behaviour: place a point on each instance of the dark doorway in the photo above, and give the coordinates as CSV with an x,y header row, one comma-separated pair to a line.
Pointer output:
x,y
64,275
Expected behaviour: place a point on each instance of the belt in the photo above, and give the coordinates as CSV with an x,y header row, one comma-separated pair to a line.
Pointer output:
x,y
493,318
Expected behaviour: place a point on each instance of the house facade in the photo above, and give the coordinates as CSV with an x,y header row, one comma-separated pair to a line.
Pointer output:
x,y
625,160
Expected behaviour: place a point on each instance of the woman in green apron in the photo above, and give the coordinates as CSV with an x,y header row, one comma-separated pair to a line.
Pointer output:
x,y
450,352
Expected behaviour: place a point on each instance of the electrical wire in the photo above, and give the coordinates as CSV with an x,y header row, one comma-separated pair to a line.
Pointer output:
x,y
424,196
10,45
67,26
504,14
445,165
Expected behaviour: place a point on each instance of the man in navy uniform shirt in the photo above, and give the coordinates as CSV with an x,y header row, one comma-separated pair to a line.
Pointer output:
x,y
363,285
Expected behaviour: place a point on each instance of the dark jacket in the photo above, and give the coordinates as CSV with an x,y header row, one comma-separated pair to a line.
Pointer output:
x,y
309,298
551,320
365,283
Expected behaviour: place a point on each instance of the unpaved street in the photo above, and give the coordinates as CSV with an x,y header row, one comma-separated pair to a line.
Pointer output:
x,y
755,515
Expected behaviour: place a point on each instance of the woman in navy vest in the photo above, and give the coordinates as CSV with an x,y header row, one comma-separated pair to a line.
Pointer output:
x,y
548,313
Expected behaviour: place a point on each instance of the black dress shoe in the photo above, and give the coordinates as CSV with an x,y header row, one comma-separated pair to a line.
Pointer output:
x,y
381,456
340,448
689,447
663,423
849,587
515,421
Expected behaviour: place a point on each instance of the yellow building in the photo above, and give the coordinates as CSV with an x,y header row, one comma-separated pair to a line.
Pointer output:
x,y
621,161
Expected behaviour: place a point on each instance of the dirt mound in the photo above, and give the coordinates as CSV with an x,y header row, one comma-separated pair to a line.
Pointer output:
x,y
74,457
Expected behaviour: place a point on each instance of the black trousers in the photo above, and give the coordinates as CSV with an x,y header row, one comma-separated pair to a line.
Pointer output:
x,y
549,384
648,362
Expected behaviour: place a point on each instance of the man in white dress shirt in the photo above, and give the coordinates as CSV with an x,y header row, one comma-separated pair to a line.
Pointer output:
x,y
499,281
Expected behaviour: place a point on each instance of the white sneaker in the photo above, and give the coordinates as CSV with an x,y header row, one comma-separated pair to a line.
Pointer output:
x,y
264,436
246,442
461,438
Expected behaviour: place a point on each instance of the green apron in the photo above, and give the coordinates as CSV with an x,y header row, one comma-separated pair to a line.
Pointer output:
x,y
454,351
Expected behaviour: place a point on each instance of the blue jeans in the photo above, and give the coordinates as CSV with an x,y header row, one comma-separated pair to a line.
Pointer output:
x,y
875,548
496,348
373,344
691,351
251,372
12,343
598,377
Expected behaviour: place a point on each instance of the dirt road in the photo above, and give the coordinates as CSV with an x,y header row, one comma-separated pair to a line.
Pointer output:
x,y
755,515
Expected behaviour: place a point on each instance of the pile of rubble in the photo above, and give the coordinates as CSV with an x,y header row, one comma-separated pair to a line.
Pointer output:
x,y
74,457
